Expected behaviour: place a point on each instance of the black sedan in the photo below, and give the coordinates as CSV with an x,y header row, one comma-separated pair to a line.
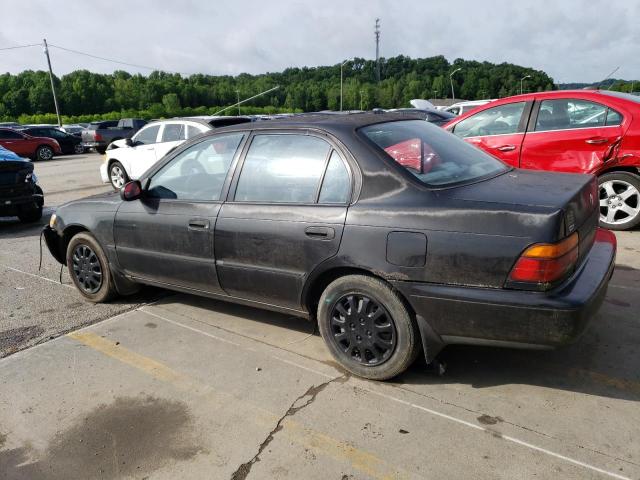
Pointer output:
x,y
68,143
394,234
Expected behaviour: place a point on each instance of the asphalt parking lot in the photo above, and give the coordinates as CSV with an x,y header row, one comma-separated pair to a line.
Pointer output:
x,y
167,385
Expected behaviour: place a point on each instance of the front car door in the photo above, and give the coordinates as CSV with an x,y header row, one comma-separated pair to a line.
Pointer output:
x,y
497,130
142,155
571,135
285,215
16,142
166,237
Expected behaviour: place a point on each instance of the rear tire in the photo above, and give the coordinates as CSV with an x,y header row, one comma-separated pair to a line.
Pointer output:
x,y
117,175
44,152
367,327
619,196
89,268
78,149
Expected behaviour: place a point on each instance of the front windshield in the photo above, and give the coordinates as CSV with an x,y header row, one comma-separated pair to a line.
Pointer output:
x,y
433,155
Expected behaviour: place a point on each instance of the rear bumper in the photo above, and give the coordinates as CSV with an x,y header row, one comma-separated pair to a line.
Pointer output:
x,y
93,144
516,318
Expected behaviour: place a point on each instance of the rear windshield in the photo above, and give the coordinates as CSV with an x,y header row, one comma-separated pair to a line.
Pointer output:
x,y
435,156
626,96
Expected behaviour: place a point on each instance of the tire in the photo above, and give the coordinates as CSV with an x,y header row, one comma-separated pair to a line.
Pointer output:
x,y
370,323
89,268
78,149
619,195
101,150
31,216
117,175
44,152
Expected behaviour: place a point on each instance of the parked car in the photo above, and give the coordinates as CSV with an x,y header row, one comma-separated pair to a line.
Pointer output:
x,y
35,148
464,107
585,131
20,194
74,129
98,135
395,235
68,143
130,158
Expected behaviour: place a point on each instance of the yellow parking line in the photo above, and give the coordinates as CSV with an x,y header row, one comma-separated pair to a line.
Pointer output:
x,y
322,443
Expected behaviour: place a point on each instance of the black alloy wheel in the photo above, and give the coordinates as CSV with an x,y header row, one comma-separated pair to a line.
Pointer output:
x,y
87,269
363,329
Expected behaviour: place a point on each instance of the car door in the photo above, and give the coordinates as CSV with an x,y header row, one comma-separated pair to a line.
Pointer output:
x,y
285,216
142,155
497,130
171,135
571,135
16,142
166,236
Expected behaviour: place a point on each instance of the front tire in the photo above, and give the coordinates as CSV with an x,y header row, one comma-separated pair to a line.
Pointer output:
x,y
44,152
117,175
89,268
367,327
619,195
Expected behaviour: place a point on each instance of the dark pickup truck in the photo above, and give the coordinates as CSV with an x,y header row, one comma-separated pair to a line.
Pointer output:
x,y
98,135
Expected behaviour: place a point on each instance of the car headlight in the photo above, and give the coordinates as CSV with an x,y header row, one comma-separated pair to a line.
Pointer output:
x,y
31,177
53,220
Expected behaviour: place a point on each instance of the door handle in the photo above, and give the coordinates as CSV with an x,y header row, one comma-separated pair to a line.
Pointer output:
x,y
321,233
506,148
198,224
596,141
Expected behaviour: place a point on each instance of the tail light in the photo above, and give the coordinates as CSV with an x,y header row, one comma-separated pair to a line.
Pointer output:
x,y
97,137
545,263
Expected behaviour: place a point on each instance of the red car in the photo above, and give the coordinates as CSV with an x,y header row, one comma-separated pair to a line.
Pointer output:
x,y
580,131
35,148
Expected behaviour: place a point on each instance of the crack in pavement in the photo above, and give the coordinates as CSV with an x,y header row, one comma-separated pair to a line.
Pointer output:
x,y
312,392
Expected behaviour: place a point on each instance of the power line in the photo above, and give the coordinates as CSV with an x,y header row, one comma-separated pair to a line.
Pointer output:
x,y
22,46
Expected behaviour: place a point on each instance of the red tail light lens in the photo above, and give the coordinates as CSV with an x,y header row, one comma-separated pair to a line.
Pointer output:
x,y
546,262
97,137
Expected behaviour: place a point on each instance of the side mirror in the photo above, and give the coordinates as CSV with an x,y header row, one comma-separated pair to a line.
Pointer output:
x,y
128,142
131,191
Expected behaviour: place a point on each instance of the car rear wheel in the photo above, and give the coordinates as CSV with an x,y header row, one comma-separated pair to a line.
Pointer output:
x,y
367,327
78,149
44,152
117,175
89,268
619,195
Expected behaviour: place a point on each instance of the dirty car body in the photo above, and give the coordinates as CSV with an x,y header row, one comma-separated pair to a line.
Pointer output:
x,y
310,212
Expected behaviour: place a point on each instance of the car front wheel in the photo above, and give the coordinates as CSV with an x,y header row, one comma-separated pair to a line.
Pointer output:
x,y
89,268
619,195
117,175
367,327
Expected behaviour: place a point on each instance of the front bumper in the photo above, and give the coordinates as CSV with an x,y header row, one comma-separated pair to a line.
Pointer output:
x,y
516,318
104,174
54,243
12,206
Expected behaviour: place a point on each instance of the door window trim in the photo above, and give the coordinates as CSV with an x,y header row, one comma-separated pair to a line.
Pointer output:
x,y
333,146
536,110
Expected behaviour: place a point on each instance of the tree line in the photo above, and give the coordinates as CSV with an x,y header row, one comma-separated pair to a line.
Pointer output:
x,y
84,95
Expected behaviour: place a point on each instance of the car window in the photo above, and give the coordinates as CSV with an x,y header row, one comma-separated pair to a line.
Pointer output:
x,y
613,117
336,184
173,132
193,131
282,169
54,133
499,120
564,113
454,110
198,173
147,135
434,156
10,135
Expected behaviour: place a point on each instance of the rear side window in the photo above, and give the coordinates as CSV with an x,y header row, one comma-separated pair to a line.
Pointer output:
x,y
499,120
283,168
613,117
434,156
173,132
192,131
147,135
565,113
336,184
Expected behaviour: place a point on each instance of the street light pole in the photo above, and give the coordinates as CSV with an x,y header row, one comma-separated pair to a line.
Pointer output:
x,y
521,80
341,65
453,94
53,87
238,92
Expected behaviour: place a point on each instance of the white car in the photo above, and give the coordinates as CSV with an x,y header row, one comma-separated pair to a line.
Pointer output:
x,y
128,159
463,107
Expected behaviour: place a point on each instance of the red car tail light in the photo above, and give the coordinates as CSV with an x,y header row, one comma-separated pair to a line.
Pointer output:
x,y
97,137
545,263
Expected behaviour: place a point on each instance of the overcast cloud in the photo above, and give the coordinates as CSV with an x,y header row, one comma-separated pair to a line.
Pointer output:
x,y
571,40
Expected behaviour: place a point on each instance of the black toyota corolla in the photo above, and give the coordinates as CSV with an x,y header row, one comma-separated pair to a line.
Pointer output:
x,y
394,234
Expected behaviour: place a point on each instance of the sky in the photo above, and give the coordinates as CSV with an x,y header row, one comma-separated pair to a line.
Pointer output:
x,y
571,40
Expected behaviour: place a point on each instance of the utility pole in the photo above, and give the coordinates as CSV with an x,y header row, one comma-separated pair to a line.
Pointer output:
x,y
522,80
341,66
453,93
53,87
377,34
238,92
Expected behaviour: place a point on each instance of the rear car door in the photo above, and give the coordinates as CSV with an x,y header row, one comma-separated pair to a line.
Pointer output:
x,y
285,216
142,155
171,135
571,135
497,130
166,236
